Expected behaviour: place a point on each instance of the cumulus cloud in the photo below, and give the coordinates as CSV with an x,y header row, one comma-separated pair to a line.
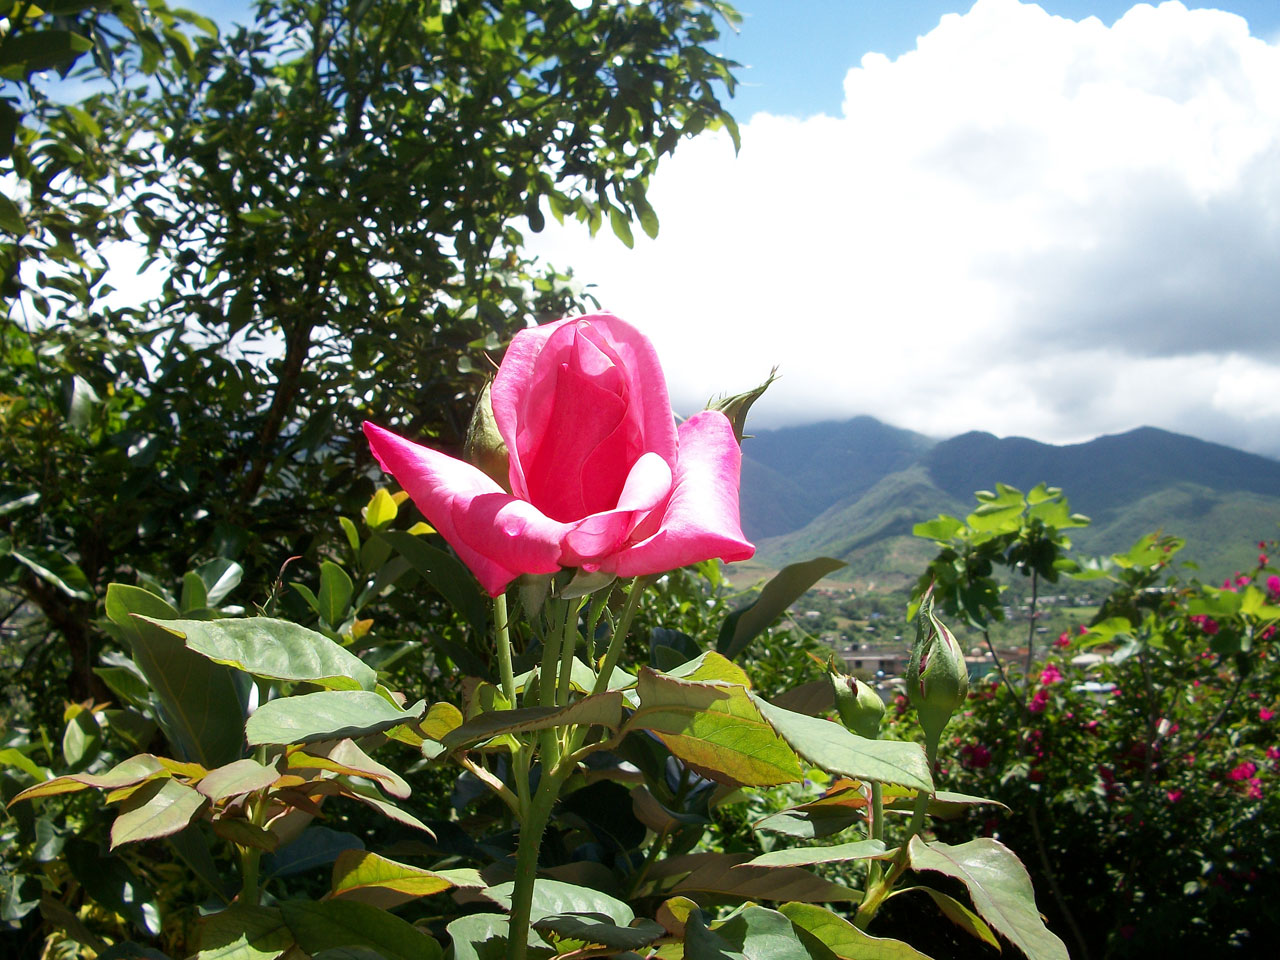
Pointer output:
x,y
1027,225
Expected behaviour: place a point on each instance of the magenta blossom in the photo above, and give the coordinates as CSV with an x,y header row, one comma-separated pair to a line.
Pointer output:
x,y
599,476
1050,674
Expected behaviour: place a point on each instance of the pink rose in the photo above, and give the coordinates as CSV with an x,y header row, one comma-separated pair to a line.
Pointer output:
x,y
600,477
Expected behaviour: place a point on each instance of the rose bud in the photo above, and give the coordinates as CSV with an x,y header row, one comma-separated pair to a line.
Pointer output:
x,y
937,676
860,707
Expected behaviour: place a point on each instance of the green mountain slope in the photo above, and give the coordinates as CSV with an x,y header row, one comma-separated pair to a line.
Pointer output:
x,y
792,475
1220,500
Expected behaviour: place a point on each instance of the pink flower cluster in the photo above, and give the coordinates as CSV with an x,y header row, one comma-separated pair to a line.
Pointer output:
x,y
1246,773
1205,623
1050,674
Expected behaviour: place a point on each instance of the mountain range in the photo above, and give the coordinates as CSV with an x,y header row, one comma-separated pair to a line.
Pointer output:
x,y
854,489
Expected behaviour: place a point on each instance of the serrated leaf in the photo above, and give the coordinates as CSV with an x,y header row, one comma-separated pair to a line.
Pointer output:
x,y
242,776
805,856
318,925
599,930
715,727
1000,887
369,878
711,666
554,898
273,649
243,932
755,933
157,811
125,773
327,715
842,938
832,747
726,875
957,913
604,709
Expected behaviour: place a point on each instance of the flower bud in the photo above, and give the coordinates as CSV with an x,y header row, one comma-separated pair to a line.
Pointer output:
x,y
860,707
736,407
937,676
484,446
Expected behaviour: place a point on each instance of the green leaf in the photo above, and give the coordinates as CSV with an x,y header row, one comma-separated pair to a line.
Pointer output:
x,y
353,535
157,810
81,739
711,666
123,774
483,936
726,875
804,856
842,938
201,702
244,932
445,574
194,594
273,649
648,219
621,226
368,878
381,509
11,218
755,933
1000,887
53,568
604,709
242,776
941,529
328,715
335,594
36,50
784,589
220,576
957,913
344,923
587,930
17,503
716,728
835,749
553,898
12,757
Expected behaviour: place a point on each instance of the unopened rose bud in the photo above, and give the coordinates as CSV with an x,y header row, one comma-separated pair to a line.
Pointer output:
x,y
736,407
860,707
937,676
484,446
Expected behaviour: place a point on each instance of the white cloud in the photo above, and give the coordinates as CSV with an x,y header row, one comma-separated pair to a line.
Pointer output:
x,y
1026,225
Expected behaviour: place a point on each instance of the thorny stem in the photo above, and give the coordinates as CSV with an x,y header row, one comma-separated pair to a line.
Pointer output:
x,y
1031,630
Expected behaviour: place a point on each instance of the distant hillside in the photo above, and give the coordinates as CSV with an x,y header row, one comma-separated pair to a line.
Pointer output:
x,y
801,502
792,475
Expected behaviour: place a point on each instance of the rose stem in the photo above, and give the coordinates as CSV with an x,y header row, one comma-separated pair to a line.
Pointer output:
x,y
568,645
620,634
502,625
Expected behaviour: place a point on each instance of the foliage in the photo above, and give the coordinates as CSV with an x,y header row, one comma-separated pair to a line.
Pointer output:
x,y
336,196
1137,762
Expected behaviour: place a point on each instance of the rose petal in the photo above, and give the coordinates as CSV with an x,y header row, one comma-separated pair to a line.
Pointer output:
x,y
594,538
701,520
459,500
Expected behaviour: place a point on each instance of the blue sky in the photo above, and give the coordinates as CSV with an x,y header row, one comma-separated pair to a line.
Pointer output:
x,y
797,51
974,215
